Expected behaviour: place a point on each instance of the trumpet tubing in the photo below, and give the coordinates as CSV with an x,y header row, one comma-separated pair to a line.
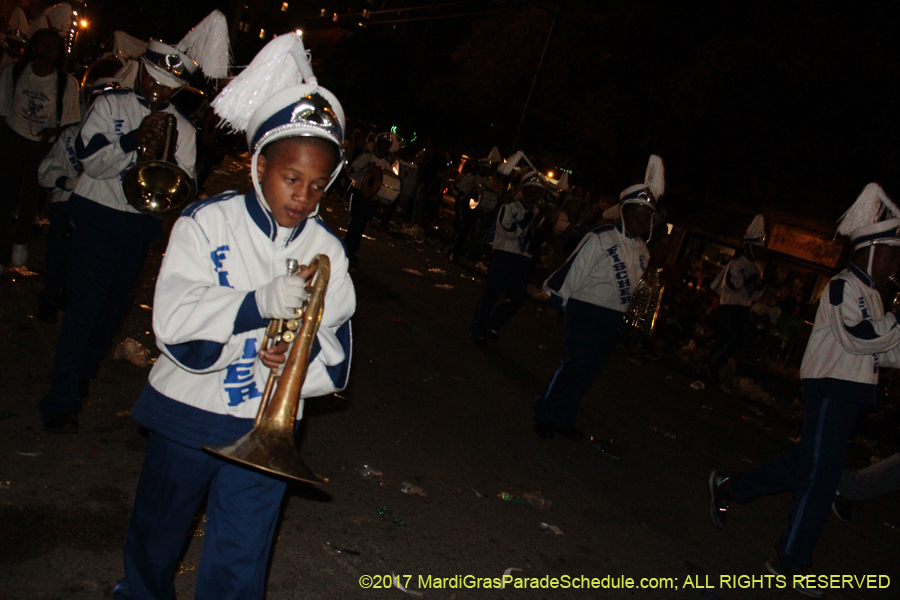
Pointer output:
x,y
270,446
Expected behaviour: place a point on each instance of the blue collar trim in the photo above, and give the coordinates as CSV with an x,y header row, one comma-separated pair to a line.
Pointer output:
x,y
264,219
862,275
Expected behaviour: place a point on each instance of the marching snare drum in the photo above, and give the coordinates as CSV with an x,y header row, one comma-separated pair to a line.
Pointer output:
x,y
378,184
484,199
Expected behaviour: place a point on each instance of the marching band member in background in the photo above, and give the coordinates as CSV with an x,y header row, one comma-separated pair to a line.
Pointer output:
x,y
851,338
594,286
58,174
363,209
37,99
111,238
510,259
466,216
221,281
14,38
738,285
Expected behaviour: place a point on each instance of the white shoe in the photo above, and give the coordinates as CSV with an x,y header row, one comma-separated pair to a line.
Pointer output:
x,y
19,255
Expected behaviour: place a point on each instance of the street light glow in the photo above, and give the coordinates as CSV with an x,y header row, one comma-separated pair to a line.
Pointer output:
x,y
84,23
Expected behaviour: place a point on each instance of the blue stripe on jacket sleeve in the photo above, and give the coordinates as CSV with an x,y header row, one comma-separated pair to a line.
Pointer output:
x,y
97,142
836,292
248,317
558,278
341,371
197,355
862,330
128,142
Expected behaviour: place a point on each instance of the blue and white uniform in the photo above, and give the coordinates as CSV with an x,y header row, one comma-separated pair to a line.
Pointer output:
x,y
60,169
206,386
508,273
852,337
595,286
110,239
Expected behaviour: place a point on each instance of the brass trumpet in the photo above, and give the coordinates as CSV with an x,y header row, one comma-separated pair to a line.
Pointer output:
x,y
270,445
156,185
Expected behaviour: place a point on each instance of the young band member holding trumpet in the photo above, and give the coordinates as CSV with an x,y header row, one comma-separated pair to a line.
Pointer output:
x,y
222,280
111,238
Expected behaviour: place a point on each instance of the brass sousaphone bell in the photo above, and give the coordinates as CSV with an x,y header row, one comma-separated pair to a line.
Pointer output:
x,y
270,445
156,185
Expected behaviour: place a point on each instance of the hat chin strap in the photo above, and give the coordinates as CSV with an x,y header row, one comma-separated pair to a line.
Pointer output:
x,y
871,256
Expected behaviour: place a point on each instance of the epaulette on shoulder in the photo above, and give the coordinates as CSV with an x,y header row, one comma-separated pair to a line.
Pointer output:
x,y
192,209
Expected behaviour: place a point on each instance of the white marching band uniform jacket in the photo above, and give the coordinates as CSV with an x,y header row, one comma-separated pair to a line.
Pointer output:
x,y
469,182
604,270
107,146
852,336
60,169
207,384
513,225
737,289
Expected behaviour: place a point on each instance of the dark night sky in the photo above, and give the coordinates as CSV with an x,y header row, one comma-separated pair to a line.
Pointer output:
x,y
783,105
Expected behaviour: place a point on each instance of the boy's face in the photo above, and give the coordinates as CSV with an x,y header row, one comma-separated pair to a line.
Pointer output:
x,y
150,86
293,178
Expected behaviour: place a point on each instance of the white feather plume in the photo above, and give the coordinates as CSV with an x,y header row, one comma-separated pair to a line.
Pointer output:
x,y
757,229
562,183
18,20
495,156
279,65
510,163
867,210
59,17
126,47
655,177
207,44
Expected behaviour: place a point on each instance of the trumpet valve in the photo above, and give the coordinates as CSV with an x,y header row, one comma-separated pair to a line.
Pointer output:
x,y
298,314
292,324
288,336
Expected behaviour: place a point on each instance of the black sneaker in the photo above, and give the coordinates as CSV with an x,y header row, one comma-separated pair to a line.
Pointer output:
x,y
493,336
796,576
62,423
544,429
842,507
719,498
570,433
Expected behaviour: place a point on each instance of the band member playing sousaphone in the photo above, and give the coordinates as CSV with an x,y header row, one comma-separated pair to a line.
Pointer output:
x,y
363,190
595,286
228,271
111,238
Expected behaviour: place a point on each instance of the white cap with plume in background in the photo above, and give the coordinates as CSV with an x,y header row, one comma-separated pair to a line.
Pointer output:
x,y
277,97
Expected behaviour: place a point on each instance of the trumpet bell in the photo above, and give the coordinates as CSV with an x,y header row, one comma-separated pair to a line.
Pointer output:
x,y
271,450
155,187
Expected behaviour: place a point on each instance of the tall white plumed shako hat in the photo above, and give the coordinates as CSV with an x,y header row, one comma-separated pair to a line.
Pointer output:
x,y
649,192
756,232
277,97
205,47
873,219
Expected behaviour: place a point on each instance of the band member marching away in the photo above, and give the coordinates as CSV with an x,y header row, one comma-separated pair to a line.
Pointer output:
x,y
511,257
363,209
738,285
594,286
222,279
111,238
851,338
465,215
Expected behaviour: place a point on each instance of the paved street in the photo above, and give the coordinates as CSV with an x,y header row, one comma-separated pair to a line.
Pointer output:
x,y
428,412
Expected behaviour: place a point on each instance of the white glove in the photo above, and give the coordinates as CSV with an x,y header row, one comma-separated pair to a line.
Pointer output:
x,y
278,298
